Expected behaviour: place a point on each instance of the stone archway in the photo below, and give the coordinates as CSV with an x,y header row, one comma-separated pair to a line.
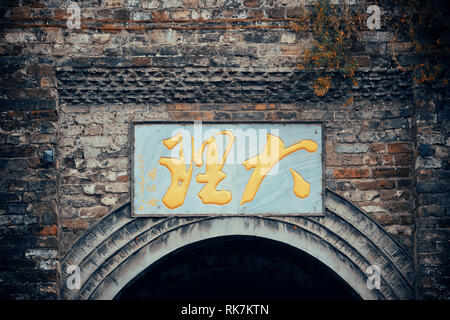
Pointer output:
x,y
119,247
237,268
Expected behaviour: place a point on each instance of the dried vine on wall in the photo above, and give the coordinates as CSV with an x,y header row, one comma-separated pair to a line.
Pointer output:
x,y
425,23
335,30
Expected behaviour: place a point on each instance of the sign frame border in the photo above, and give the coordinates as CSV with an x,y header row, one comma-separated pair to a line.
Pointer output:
x,y
134,123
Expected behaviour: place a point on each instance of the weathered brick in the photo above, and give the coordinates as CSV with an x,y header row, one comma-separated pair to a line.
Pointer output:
x,y
399,147
93,189
251,3
276,13
390,172
351,148
117,188
96,141
247,115
351,173
109,200
93,211
75,223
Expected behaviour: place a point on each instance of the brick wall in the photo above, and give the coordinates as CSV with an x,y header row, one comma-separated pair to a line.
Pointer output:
x,y
431,202
28,186
77,91
368,154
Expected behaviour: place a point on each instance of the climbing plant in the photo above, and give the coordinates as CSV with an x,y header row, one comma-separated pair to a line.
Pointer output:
x,y
425,23
335,32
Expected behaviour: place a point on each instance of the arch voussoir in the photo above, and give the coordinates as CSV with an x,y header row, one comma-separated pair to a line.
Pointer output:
x,y
119,247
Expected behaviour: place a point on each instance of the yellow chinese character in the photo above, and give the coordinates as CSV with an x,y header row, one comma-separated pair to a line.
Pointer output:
x,y
273,152
214,174
301,187
181,177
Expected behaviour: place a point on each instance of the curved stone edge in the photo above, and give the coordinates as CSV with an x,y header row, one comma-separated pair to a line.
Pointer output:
x,y
91,249
128,245
121,274
349,245
115,250
373,231
96,234
349,254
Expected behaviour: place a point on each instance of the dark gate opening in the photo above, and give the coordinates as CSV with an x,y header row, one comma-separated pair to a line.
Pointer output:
x,y
237,267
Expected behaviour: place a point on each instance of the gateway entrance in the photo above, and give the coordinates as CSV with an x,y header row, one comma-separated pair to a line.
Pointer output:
x,y
238,267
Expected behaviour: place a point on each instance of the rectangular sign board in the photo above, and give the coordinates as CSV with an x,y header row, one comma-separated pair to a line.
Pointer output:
x,y
227,169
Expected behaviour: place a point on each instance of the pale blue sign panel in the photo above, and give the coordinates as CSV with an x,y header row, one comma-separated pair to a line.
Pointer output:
x,y
285,178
